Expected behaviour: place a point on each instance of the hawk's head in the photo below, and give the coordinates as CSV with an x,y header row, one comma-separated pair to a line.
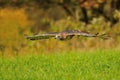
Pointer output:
x,y
59,37
63,36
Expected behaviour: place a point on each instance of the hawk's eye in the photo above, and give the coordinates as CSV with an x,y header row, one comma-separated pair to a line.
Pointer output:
x,y
58,37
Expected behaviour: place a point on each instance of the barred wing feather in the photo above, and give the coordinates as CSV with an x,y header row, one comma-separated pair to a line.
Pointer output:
x,y
86,34
41,36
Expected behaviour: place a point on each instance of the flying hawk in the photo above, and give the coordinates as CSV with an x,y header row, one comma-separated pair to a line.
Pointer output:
x,y
65,35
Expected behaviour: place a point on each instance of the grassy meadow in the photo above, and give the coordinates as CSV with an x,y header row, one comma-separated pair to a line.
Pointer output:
x,y
91,65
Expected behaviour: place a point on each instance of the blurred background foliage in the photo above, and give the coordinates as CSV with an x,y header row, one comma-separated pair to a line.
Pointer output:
x,y
19,17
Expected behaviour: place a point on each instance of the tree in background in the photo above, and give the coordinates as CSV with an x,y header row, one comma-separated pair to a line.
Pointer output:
x,y
19,17
80,10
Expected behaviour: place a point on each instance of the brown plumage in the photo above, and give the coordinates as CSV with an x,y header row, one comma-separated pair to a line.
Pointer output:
x,y
65,35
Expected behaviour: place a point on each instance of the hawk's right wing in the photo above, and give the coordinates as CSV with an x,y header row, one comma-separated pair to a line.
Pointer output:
x,y
42,36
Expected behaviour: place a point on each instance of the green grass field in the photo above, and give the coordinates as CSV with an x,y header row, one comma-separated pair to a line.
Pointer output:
x,y
97,65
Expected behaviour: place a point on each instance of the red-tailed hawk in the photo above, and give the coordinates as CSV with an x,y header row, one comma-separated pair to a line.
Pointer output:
x,y
65,35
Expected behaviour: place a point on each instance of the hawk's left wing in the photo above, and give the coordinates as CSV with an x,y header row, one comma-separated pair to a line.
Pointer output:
x,y
80,33
86,34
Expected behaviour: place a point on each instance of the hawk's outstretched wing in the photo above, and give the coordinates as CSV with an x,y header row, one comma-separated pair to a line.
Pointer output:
x,y
86,34
42,36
